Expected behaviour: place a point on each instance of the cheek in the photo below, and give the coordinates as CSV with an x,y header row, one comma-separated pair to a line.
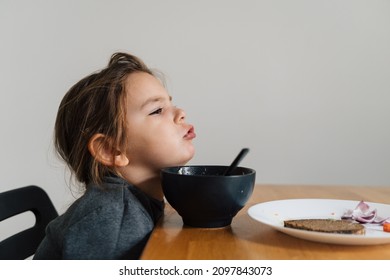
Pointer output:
x,y
144,138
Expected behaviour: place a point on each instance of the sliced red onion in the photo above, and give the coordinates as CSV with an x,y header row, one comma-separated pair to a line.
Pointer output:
x,y
381,221
365,217
363,214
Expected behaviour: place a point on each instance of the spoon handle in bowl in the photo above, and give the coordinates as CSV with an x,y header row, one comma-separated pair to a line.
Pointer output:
x,y
236,161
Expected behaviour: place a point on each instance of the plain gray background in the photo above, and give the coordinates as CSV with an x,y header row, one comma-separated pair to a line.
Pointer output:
x,y
304,84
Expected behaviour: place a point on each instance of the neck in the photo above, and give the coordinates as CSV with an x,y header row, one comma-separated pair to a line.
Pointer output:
x,y
147,181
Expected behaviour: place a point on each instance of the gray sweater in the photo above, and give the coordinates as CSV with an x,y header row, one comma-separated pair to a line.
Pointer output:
x,y
110,223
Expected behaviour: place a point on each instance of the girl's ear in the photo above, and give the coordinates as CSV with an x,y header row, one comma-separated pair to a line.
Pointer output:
x,y
101,149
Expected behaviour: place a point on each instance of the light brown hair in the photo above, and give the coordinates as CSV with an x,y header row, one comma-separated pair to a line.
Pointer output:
x,y
96,104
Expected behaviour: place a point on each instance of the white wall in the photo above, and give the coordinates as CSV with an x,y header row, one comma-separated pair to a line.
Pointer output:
x,y
304,84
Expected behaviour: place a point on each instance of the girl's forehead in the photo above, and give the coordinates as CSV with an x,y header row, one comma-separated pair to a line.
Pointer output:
x,y
142,88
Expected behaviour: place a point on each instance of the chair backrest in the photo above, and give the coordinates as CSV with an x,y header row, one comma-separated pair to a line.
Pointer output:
x,y
31,198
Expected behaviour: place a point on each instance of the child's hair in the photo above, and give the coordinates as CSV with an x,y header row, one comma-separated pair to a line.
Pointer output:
x,y
96,104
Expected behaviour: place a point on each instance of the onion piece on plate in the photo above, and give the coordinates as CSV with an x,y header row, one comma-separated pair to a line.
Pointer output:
x,y
363,214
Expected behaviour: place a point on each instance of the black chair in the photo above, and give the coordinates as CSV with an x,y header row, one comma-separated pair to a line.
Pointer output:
x,y
31,198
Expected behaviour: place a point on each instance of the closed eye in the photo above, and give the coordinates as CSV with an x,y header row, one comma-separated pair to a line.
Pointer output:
x,y
156,112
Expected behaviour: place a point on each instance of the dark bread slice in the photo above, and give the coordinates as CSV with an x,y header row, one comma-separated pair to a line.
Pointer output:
x,y
326,225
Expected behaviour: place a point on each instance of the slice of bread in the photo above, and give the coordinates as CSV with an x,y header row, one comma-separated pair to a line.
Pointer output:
x,y
326,225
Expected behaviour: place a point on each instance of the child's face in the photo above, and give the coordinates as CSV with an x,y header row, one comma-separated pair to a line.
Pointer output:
x,y
157,130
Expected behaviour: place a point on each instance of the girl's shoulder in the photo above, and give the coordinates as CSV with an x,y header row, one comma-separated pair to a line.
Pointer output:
x,y
116,197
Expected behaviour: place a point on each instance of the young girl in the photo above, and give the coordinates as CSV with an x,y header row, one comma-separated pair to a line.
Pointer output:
x,y
116,129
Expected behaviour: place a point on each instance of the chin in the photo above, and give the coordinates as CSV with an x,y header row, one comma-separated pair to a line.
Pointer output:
x,y
191,154
187,158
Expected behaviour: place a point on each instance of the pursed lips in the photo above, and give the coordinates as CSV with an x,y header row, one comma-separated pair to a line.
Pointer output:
x,y
190,133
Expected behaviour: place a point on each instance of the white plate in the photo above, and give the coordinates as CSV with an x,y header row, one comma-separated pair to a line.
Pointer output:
x,y
273,213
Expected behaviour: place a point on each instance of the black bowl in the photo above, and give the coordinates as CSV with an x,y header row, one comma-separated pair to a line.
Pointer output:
x,y
203,197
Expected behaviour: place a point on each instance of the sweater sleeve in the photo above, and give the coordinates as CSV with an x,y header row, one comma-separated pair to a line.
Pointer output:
x,y
108,233
111,223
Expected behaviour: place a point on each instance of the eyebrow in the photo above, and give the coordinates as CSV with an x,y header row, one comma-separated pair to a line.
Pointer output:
x,y
153,100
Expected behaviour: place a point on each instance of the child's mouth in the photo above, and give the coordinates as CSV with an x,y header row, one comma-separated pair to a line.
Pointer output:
x,y
190,134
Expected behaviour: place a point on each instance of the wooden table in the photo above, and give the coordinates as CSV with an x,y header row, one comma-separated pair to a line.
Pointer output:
x,y
247,239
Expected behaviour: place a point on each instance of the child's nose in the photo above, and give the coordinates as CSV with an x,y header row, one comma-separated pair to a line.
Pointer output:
x,y
180,115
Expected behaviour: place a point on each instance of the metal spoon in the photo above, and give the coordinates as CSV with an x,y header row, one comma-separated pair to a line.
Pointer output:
x,y
236,161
